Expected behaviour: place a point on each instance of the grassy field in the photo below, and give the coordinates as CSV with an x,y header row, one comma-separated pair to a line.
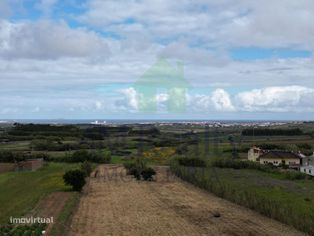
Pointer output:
x,y
16,146
64,218
290,202
26,188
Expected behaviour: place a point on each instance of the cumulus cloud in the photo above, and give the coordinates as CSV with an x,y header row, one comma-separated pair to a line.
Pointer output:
x,y
129,101
47,40
121,40
270,99
221,100
277,99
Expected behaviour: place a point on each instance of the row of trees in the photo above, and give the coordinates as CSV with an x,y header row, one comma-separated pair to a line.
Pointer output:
x,y
16,156
271,132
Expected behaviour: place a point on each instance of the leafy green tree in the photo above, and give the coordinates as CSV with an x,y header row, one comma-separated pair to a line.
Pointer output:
x,y
86,167
75,178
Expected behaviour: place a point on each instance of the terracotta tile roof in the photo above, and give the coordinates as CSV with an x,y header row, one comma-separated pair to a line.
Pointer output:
x,y
280,154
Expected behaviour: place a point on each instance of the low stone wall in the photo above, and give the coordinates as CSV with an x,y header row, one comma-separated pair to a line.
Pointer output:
x,y
29,165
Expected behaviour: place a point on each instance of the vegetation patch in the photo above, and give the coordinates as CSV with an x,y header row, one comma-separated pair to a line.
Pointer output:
x,y
191,161
75,178
139,169
237,164
26,188
22,230
61,226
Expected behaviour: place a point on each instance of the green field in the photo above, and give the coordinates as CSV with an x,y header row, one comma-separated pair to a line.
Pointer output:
x,y
20,191
290,201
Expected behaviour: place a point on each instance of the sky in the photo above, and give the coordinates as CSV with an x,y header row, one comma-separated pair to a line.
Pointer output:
x,y
241,59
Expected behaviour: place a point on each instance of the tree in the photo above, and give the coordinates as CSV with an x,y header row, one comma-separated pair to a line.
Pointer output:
x,y
75,178
86,167
148,173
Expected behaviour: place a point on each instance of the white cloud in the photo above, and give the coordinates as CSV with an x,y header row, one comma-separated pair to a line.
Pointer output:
x,y
228,23
277,99
98,105
47,40
130,99
221,100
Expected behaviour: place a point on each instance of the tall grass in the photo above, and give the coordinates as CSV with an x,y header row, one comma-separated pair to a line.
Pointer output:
x,y
288,207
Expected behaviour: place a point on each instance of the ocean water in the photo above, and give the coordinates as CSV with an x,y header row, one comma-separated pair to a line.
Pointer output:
x,y
132,121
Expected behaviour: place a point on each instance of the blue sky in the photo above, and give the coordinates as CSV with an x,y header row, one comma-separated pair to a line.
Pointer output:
x,y
81,59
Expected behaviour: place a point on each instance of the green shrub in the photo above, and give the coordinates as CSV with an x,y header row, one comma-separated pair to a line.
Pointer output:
x,y
269,168
181,149
22,230
75,178
148,174
86,167
294,175
191,161
138,168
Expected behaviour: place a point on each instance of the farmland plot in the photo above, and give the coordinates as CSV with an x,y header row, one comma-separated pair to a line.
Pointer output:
x,y
116,204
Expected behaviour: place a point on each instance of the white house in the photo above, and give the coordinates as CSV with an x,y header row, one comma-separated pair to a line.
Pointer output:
x,y
308,165
307,170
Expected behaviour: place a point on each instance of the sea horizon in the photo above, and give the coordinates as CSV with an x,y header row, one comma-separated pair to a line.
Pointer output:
x,y
135,121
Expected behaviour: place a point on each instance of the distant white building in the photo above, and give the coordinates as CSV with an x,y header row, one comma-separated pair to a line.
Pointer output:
x,y
275,157
307,170
308,165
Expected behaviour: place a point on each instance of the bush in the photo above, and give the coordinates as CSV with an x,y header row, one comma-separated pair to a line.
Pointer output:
x,y
269,168
192,161
148,174
293,175
75,178
181,149
138,169
23,230
9,156
304,146
86,167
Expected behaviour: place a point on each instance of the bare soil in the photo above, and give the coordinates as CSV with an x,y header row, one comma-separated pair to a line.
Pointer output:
x,y
116,204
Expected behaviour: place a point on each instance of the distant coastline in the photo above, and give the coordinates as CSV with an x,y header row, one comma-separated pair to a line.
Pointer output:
x,y
150,121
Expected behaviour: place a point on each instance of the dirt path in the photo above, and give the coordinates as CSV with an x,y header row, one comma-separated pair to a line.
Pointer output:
x,y
118,205
50,206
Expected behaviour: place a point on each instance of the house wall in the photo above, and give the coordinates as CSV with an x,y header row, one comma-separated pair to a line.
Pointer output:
x,y
253,154
36,164
278,161
5,167
32,164
307,170
308,161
